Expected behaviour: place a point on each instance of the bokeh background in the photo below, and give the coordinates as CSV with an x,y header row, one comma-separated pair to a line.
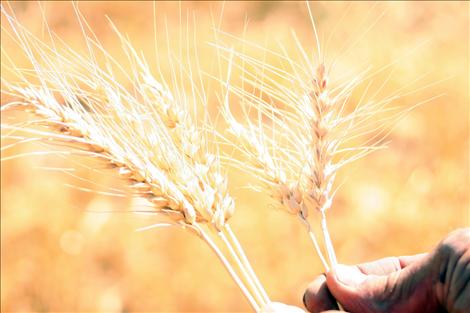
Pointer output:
x,y
57,255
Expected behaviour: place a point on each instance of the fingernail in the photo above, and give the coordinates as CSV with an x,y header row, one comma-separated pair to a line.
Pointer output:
x,y
348,275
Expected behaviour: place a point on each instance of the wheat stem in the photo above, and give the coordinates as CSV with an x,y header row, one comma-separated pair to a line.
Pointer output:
x,y
229,268
328,243
314,240
329,248
317,249
241,253
248,279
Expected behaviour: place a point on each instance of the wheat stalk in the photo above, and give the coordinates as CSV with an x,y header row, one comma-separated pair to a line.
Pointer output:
x,y
146,134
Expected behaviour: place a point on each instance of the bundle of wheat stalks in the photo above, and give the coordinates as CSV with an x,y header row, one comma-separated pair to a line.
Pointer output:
x,y
146,134
298,134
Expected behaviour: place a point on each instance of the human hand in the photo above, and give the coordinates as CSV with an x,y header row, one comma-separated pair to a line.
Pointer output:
x,y
438,281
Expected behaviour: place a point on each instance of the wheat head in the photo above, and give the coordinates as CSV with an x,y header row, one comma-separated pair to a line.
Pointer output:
x,y
148,133
300,125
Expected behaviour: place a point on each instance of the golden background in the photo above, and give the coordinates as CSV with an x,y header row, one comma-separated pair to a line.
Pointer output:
x,y
58,255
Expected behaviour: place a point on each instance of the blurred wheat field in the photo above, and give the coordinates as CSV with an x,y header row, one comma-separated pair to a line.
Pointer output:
x,y
60,255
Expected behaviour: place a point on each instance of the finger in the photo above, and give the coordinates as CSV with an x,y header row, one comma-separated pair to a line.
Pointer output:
x,y
317,297
409,259
388,265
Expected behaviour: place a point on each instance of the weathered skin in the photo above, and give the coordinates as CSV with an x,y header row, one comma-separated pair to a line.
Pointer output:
x,y
438,281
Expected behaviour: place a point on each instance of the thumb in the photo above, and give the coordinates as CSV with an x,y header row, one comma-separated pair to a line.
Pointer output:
x,y
347,277
353,289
